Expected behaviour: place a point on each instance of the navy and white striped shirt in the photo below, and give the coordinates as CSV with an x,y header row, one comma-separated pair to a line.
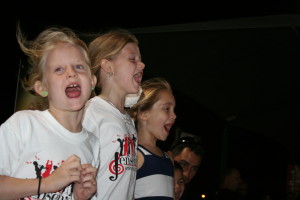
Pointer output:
x,y
154,179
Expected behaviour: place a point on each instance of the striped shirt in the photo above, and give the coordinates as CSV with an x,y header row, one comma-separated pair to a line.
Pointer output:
x,y
154,179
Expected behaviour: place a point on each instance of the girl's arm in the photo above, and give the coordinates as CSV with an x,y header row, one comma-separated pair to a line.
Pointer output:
x,y
14,188
67,173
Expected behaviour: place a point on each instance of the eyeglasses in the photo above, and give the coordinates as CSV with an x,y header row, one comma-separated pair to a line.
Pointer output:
x,y
187,140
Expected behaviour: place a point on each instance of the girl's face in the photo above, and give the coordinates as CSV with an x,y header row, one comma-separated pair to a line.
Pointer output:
x,y
178,184
128,69
161,116
67,78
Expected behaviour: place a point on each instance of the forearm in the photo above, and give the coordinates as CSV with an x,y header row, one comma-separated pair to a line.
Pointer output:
x,y
15,188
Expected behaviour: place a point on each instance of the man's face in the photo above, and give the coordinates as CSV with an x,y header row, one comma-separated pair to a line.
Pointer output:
x,y
190,163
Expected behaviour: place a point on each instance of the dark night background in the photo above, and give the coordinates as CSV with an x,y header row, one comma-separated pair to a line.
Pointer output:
x,y
233,66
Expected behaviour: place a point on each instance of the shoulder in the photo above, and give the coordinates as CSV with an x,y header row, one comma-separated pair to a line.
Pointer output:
x,y
143,150
92,137
96,108
168,155
24,115
22,123
93,102
93,112
140,159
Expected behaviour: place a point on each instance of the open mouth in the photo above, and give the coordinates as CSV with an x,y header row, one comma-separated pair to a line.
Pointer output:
x,y
138,77
73,91
168,127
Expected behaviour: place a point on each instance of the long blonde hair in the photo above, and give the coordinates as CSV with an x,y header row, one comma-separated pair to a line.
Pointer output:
x,y
107,46
37,51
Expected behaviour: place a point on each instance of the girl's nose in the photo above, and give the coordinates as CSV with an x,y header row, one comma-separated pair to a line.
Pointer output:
x,y
173,115
141,65
71,72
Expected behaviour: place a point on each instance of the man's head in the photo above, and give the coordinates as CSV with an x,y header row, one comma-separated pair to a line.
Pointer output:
x,y
189,154
231,179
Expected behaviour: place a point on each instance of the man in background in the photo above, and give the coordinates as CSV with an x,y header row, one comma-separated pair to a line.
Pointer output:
x,y
230,180
188,152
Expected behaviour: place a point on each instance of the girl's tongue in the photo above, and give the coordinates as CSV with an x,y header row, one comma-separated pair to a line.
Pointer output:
x,y
73,92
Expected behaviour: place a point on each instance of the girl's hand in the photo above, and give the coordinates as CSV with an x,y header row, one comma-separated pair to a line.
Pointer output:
x,y
68,172
87,187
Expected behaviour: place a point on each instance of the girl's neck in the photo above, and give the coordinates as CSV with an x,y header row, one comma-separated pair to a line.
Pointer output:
x,y
153,148
115,103
69,120
149,142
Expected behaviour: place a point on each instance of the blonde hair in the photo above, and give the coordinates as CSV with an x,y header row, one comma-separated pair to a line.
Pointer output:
x,y
37,51
151,89
107,46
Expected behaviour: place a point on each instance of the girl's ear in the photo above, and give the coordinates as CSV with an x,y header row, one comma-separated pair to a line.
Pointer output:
x,y
143,115
94,81
106,65
38,87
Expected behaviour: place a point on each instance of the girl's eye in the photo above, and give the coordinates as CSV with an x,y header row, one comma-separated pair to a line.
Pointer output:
x,y
168,109
134,59
79,67
59,69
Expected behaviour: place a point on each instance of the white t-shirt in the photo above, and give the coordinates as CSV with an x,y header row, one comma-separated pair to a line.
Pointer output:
x,y
33,142
118,147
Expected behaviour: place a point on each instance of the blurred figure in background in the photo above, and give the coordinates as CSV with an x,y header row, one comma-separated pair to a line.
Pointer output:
x,y
178,180
230,180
